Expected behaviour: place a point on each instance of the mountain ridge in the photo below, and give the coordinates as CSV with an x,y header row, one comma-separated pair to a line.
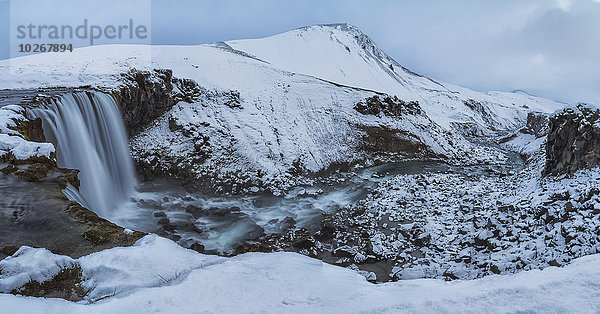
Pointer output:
x,y
298,93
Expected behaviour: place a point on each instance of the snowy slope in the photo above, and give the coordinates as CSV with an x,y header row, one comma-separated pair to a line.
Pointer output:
x,y
343,54
283,116
156,275
297,95
338,53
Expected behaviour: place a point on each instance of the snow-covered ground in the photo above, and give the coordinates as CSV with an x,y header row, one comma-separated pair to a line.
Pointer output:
x,y
343,54
452,225
156,275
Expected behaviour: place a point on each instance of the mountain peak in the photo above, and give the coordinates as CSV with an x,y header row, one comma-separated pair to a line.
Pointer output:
x,y
361,38
340,26
340,53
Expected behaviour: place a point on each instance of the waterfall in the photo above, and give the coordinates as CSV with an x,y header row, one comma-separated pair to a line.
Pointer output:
x,y
89,135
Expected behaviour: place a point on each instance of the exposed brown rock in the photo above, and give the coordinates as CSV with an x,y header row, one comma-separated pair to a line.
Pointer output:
x,y
388,105
573,140
31,130
66,285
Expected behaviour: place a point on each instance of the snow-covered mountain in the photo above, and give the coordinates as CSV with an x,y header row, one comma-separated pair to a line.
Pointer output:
x,y
298,93
343,54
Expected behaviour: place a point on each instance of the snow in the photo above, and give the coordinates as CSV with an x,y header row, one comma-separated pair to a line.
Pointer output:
x,y
283,116
525,144
337,53
475,221
13,142
295,103
22,149
296,119
30,264
8,116
341,53
584,110
291,283
297,91
152,262
333,53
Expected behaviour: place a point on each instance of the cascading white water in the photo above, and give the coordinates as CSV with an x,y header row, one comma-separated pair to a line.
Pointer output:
x,y
89,135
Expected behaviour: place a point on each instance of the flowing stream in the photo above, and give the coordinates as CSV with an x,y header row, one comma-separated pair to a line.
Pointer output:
x,y
221,224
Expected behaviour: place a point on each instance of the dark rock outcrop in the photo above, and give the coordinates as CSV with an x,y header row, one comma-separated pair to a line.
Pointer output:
x,y
147,95
388,105
144,97
537,124
380,140
573,140
67,284
31,129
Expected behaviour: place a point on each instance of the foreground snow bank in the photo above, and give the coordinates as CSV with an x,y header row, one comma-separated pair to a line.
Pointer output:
x,y
157,275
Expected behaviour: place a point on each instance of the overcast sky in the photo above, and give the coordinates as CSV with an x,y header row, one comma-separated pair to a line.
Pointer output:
x,y
550,48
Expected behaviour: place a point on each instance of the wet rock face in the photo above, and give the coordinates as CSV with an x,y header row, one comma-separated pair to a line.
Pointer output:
x,y
35,212
573,140
144,97
31,129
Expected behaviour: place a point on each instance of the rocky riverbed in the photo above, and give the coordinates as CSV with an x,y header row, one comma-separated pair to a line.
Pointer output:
x,y
469,223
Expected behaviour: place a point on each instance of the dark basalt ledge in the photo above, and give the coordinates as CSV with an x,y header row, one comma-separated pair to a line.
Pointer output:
x,y
537,124
31,129
145,96
573,140
388,105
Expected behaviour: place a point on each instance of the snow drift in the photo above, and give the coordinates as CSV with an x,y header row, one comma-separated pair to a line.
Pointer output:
x,y
156,275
